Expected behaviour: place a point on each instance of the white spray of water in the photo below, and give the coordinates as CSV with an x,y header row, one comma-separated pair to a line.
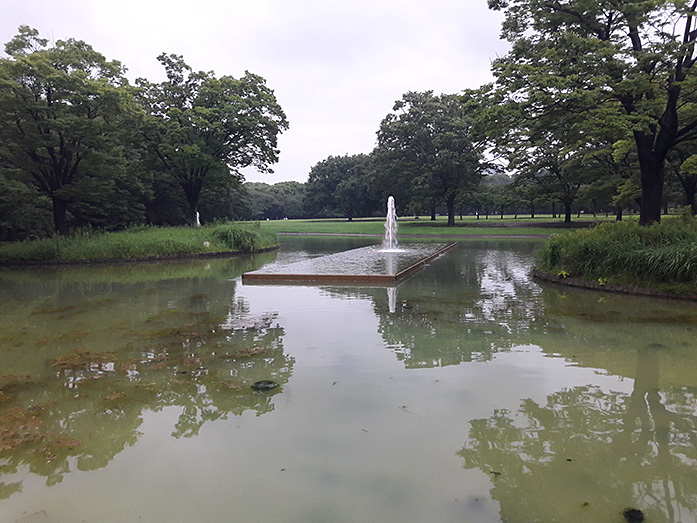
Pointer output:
x,y
390,241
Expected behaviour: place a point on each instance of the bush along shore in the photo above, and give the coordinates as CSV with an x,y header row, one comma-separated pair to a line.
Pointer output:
x,y
659,260
141,243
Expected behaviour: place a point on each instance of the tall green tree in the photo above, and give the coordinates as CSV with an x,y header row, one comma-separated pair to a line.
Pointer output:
x,y
199,124
605,59
62,113
341,184
428,143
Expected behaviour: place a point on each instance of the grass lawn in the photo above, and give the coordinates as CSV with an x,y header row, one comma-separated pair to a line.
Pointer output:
x,y
468,227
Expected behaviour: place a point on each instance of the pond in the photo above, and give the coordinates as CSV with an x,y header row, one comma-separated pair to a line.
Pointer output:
x,y
467,393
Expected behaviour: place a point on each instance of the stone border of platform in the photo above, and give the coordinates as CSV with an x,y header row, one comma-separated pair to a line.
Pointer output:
x,y
354,279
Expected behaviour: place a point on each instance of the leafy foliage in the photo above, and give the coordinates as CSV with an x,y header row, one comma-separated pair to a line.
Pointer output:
x,y
341,185
622,66
24,213
62,112
274,202
199,125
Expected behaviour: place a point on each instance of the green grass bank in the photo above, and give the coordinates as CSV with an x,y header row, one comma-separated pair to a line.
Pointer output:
x,y
167,242
662,256
140,243
468,227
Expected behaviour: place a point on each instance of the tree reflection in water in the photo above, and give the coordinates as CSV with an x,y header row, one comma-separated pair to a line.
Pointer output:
x,y
86,362
461,309
176,342
589,453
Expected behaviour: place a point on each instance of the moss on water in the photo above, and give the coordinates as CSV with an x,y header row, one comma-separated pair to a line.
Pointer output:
x,y
81,359
24,429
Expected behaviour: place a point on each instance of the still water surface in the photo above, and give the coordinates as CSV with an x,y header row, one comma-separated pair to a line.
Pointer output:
x,y
473,394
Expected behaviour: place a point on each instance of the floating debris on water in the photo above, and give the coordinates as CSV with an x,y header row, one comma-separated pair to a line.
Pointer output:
x,y
633,515
264,385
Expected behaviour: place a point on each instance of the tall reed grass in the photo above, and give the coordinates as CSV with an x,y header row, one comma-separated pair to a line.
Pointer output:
x,y
141,242
664,253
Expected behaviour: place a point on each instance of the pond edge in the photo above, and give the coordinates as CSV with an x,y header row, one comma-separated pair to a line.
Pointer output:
x,y
634,290
137,259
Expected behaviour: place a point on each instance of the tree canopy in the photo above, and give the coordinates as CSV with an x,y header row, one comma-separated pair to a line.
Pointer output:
x,y
428,144
341,184
62,108
77,140
199,124
621,63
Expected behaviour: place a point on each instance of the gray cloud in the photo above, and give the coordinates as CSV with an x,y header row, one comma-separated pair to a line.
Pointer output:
x,y
336,66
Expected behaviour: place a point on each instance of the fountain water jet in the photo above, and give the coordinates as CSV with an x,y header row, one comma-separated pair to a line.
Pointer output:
x,y
389,243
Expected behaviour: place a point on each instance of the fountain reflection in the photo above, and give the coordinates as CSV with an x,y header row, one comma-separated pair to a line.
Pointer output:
x,y
480,302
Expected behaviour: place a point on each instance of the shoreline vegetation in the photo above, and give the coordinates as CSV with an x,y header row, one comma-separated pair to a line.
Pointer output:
x,y
140,244
657,260
660,260
150,243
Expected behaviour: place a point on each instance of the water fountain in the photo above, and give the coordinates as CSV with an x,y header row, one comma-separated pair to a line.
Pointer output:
x,y
383,266
389,243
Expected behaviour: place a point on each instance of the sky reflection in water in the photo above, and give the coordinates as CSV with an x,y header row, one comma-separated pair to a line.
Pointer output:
x,y
470,393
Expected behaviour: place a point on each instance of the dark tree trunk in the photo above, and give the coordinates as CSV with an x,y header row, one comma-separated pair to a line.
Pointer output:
x,y
193,211
192,188
450,202
567,212
60,219
689,185
619,213
652,149
651,193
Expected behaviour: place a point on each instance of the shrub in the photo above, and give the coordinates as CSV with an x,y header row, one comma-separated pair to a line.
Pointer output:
x,y
665,252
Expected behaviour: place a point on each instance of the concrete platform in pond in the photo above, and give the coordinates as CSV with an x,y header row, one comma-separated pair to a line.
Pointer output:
x,y
367,265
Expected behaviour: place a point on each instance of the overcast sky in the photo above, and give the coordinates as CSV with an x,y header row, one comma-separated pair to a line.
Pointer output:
x,y
336,67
